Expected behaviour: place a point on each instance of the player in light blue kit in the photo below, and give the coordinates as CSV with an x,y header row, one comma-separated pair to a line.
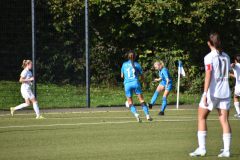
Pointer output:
x,y
165,85
131,71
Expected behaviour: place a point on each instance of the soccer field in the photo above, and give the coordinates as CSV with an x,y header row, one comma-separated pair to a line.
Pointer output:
x,y
109,135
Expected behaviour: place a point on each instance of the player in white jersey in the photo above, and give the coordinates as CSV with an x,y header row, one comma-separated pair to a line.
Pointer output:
x,y
236,75
26,79
216,95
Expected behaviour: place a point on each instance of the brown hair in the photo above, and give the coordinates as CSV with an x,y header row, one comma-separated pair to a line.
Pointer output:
x,y
25,63
237,58
214,39
132,57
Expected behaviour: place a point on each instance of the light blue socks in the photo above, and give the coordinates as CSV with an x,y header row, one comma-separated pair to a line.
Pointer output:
x,y
164,104
133,109
145,108
154,97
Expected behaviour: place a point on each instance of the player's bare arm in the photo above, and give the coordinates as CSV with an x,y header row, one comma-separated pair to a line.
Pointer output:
x,y
157,79
122,75
206,85
22,79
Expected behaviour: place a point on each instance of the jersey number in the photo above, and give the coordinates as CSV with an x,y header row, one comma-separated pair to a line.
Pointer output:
x,y
129,71
223,72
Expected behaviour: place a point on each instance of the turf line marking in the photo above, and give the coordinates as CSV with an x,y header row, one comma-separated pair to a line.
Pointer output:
x,y
101,117
101,123
110,111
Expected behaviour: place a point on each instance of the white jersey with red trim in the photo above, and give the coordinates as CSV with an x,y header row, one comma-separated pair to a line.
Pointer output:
x,y
219,64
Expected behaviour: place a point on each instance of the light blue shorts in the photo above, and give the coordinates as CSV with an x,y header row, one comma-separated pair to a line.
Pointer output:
x,y
131,87
169,87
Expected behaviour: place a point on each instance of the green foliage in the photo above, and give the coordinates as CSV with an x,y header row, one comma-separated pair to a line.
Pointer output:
x,y
169,30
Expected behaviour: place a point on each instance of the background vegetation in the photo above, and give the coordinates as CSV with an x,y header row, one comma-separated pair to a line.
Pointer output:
x,y
156,29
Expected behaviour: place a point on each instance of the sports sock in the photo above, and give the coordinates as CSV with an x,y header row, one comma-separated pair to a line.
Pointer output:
x,y
133,109
36,108
23,105
154,97
164,104
145,108
226,141
236,104
202,139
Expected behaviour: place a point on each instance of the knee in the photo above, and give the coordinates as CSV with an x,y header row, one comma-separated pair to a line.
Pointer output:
x,y
28,103
224,121
201,118
35,102
143,104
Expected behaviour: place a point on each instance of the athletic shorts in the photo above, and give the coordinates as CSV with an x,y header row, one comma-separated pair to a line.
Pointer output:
x,y
27,93
169,87
214,102
131,87
237,90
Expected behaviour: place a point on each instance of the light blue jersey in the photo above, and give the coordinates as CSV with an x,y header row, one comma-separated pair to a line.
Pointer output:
x,y
164,75
131,81
130,74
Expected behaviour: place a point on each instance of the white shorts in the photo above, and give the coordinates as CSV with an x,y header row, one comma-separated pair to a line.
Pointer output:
x,y
237,90
214,102
27,93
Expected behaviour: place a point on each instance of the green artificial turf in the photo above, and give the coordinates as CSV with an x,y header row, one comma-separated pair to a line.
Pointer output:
x,y
110,136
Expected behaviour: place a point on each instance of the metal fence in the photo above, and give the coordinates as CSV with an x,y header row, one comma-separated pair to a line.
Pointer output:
x,y
61,59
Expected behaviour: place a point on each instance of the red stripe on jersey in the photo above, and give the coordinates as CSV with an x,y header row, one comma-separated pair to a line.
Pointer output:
x,y
208,67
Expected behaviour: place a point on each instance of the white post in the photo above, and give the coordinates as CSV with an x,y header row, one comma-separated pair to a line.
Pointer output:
x,y
178,85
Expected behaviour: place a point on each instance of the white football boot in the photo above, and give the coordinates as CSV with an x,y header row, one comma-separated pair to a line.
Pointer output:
x,y
198,153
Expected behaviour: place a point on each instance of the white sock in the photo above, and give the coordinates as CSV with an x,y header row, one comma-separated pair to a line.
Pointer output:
x,y
136,115
202,139
36,109
236,104
23,105
227,141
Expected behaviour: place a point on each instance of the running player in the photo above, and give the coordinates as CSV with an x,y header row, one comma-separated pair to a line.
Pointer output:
x,y
130,71
216,95
164,85
26,79
236,75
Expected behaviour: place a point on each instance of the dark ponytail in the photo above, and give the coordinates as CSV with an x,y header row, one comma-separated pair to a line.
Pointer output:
x,y
237,58
214,39
132,57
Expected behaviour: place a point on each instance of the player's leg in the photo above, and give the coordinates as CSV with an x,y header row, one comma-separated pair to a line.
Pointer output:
x,y
128,93
21,106
223,114
203,112
236,105
202,132
144,107
36,108
133,109
159,89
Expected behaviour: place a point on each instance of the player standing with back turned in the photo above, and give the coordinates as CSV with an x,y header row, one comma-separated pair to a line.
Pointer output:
x,y
130,71
216,95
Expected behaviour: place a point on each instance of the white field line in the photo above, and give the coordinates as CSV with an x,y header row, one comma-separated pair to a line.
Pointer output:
x,y
99,123
128,117
110,117
82,112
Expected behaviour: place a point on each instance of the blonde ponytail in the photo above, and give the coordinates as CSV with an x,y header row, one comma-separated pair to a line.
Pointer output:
x,y
161,63
25,63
